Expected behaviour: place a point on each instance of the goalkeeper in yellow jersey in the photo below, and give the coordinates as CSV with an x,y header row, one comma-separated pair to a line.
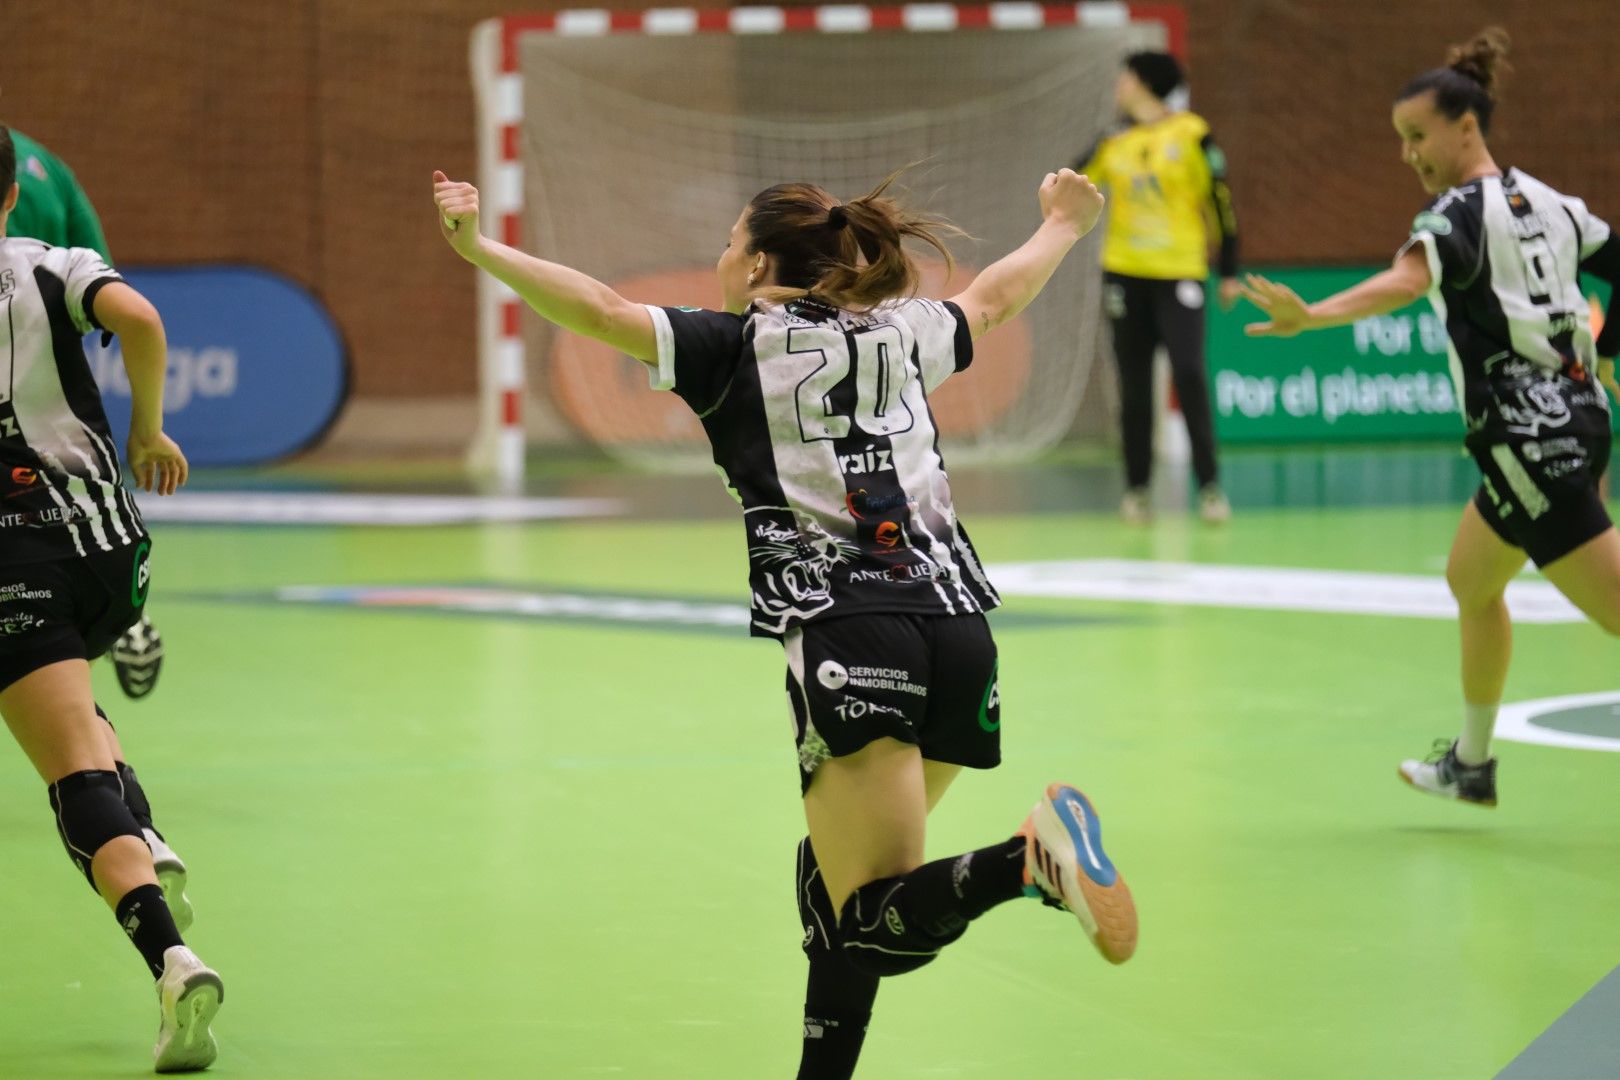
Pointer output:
x,y
1166,184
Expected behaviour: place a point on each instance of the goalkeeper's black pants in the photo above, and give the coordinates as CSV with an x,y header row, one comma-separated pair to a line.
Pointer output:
x,y
1146,313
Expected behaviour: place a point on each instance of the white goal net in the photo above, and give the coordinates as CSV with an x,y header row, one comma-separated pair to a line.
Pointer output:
x,y
632,141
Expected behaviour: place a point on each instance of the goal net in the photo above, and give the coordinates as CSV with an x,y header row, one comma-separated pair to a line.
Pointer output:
x,y
625,144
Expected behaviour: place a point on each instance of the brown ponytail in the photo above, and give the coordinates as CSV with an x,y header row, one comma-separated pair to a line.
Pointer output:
x,y
1483,59
852,254
1470,79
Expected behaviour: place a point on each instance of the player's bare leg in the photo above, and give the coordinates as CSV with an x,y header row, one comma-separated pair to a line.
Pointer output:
x,y
1590,577
53,717
1478,571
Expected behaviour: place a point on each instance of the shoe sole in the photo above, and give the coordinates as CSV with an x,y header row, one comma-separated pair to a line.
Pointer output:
x,y
1489,804
1066,825
172,880
191,1047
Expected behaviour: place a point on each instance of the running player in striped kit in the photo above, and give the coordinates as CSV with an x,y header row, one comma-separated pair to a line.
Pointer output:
x,y
1499,255
52,206
74,574
812,386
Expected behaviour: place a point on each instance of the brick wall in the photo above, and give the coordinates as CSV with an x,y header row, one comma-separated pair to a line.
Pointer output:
x,y
300,135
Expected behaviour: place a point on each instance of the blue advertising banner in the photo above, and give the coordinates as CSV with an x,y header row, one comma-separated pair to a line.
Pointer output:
x,y
257,369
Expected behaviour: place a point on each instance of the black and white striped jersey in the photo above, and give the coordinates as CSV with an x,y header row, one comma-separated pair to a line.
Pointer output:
x,y
1505,255
61,490
821,428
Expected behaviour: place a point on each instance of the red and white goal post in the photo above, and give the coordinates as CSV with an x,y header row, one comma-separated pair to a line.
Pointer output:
x,y
624,142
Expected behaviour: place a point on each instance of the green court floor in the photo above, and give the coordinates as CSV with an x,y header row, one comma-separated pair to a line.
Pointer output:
x,y
549,839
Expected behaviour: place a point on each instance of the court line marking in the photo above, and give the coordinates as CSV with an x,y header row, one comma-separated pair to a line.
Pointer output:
x,y
340,508
1582,1044
1516,722
1265,588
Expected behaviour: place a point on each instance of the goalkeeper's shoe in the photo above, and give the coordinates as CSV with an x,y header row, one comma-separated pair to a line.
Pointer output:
x,y
1442,774
137,658
1065,865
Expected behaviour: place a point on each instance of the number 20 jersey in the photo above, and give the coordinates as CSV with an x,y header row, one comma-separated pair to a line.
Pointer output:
x,y
820,426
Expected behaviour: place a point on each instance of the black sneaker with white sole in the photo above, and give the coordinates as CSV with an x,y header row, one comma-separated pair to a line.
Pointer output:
x,y
137,658
1442,774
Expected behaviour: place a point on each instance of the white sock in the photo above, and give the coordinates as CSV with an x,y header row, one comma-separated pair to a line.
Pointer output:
x,y
1474,744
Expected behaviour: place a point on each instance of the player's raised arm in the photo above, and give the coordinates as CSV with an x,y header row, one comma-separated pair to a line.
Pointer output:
x,y
1070,207
1404,282
572,300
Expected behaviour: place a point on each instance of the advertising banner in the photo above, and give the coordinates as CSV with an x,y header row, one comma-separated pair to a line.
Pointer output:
x,y
1382,379
257,369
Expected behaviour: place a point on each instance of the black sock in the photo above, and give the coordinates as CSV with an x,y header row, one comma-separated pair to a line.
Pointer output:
x,y
838,996
145,918
135,798
837,1007
942,897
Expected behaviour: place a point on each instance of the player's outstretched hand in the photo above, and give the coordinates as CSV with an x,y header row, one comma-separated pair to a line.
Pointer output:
x,y
157,463
1289,314
457,204
1069,197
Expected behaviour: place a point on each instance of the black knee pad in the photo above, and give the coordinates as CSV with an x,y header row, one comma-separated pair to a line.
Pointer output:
x,y
879,937
816,912
90,811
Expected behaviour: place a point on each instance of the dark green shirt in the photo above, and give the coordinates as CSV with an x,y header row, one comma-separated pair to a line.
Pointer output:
x,y
51,206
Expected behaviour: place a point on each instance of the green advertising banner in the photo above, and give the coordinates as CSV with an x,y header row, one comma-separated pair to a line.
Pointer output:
x,y
1382,379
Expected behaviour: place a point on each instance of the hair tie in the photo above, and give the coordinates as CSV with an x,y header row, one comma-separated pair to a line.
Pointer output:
x,y
837,218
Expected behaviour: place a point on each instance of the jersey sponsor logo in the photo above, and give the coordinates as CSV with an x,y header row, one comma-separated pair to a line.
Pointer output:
x,y
903,574
19,623
1529,226
888,534
141,580
835,676
21,591
871,460
859,503
23,476
832,675
854,708
51,515
1431,222
1549,448
990,707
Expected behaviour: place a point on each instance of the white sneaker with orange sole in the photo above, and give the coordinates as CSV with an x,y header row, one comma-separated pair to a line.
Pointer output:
x,y
1064,864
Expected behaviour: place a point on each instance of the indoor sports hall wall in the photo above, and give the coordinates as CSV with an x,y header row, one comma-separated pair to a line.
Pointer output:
x,y
299,135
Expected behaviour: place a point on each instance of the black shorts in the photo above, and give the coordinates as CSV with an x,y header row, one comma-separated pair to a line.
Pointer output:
x,y
1542,494
928,680
73,609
